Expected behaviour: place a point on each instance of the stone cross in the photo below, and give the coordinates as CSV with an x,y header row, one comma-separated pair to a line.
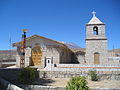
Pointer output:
x,y
93,13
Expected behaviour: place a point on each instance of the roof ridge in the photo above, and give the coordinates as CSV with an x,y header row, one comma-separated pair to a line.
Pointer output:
x,y
14,44
95,20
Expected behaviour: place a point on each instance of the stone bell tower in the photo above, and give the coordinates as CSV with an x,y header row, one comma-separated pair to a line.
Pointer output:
x,y
96,42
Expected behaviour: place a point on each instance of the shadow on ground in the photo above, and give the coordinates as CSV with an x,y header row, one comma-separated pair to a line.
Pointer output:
x,y
43,81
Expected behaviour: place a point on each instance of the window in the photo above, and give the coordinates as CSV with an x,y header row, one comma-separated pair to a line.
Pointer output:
x,y
95,30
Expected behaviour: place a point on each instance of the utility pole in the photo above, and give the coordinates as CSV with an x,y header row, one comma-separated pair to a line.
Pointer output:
x,y
113,51
23,46
10,54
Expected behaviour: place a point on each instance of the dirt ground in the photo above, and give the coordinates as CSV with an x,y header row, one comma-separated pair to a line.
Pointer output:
x,y
62,82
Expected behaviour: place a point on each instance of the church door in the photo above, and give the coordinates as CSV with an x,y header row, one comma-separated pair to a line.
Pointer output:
x,y
36,56
96,58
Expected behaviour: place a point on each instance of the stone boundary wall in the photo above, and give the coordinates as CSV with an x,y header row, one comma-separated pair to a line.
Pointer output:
x,y
82,67
88,65
12,74
104,75
8,85
105,71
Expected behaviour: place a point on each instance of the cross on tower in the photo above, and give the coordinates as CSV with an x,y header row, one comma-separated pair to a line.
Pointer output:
x,y
93,13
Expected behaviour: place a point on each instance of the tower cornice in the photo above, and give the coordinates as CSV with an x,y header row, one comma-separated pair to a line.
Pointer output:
x,y
97,39
94,24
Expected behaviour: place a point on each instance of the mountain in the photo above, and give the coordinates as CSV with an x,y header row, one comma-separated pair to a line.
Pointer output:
x,y
114,52
8,54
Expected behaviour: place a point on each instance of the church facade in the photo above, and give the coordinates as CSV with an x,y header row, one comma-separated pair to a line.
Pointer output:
x,y
41,50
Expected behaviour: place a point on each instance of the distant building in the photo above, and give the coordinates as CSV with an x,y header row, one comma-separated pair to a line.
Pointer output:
x,y
7,57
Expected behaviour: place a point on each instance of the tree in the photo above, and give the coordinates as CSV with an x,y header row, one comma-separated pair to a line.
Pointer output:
x,y
77,83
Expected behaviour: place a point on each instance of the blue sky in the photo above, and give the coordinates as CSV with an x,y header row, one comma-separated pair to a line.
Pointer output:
x,y
62,20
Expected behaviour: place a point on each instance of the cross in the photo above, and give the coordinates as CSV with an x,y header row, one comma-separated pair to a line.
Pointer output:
x,y
93,13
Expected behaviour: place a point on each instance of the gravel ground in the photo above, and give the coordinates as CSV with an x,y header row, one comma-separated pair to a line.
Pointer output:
x,y
62,82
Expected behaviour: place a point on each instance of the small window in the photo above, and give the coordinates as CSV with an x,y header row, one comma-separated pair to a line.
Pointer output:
x,y
95,30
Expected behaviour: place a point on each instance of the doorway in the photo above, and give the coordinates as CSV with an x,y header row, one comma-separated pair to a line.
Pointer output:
x,y
96,58
36,56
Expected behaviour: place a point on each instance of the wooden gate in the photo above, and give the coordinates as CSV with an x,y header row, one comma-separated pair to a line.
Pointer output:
x,y
36,56
96,58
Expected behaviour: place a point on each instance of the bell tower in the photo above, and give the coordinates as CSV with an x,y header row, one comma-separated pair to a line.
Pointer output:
x,y
96,42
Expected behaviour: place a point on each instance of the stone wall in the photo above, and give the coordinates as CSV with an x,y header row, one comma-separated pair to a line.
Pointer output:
x,y
90,32
104,75
82,67
114,60
70,70
96,46
12,74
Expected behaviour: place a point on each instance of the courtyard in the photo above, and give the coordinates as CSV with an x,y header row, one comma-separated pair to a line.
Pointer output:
x,y
62,82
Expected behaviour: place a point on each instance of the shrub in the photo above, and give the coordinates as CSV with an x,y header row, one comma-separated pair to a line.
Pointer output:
x,y
27,75
93,75
77,83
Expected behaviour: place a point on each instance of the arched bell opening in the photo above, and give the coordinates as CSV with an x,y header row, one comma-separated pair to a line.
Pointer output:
x,y
95,30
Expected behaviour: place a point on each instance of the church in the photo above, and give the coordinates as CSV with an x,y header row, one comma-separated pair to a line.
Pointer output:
x,y
40,50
